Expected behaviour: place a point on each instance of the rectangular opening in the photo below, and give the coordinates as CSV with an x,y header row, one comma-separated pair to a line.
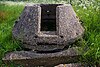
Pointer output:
x,y
48,17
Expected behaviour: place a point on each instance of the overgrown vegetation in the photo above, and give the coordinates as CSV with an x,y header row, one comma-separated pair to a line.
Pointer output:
x,y
87,11
89,14
8,14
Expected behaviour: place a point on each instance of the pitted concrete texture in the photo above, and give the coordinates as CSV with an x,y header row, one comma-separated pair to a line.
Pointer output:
x,y
32,59
46,27
73,65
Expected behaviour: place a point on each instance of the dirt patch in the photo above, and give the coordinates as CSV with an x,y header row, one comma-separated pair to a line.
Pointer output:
x,y
3,15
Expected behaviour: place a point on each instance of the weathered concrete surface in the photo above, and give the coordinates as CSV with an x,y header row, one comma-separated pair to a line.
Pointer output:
x,y
31,58
73,65
66,28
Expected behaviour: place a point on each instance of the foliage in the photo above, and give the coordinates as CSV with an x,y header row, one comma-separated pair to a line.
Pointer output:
x,y
89,14
8,14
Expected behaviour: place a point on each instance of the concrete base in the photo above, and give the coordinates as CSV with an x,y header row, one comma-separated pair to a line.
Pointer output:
x,y
73,65
31,58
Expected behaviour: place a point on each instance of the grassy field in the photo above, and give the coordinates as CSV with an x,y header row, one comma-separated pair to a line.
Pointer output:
x,y
8,14
87,11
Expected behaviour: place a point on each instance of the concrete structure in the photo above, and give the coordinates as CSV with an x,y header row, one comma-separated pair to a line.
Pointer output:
x,y
34,59
47,30
46,27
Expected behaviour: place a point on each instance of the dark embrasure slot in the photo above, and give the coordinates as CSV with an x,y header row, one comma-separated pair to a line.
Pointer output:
x,y
48,25
48,17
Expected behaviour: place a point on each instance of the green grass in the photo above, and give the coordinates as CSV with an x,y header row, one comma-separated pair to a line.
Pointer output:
x,y
89,16
8,14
